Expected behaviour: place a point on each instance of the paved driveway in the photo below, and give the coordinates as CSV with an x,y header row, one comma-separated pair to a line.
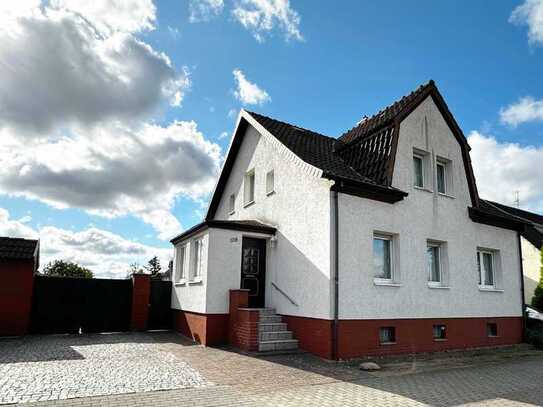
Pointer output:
x,y
213,377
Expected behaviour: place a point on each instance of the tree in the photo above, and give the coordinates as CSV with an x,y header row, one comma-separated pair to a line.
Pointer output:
x,y
61,268
537,300
153,266
135,268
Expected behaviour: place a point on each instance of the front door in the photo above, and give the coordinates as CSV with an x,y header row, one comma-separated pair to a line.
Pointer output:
x,y
253,270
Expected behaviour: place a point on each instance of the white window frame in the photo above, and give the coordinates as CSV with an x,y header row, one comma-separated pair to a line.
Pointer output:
x,y
181,263
482,269
437,246
249,184
445,175
390,240
197,259
421,158
232,204
270,182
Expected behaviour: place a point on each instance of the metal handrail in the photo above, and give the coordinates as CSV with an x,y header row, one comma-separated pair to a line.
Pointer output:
x,y
284,293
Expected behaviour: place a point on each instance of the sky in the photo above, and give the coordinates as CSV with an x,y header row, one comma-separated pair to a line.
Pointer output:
x,y
115,115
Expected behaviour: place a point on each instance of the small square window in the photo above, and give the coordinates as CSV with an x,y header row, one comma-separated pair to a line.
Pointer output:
x,y
232,204
492,329
387,335
418,167
440,332
433,259
270,183
249,188
382,257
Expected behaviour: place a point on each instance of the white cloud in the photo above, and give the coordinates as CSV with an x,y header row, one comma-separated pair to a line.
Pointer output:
x,y
503,168
247,92
113,171
107,254
262,16
57,69
204,10
530,13
527,109
223,135
113,15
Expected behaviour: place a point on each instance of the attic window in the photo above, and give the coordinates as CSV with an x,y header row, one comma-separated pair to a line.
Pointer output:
x,y
249,188
231,204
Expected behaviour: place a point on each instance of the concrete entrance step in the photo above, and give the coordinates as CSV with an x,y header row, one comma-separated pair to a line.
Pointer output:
x,y
275,336
272,327
278,345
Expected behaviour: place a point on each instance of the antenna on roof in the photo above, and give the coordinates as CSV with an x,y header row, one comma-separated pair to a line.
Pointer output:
x,y
517,198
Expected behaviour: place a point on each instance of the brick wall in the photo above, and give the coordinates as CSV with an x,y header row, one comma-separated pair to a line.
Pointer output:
x,y
243,322
361,337
16,283
141,293
206,329
314,335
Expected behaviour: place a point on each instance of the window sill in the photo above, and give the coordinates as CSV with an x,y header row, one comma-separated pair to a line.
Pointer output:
x,y
423,189
493,336
440,340
446,195
387,343
181,283
490,289
270,193
438,286
248,204
195,281
385,283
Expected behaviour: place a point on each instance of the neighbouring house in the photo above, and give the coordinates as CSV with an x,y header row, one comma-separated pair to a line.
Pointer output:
x,y
19,260
373,243
531,243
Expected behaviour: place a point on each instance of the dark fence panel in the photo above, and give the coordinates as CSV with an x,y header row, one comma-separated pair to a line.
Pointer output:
x,y
64,305
160,314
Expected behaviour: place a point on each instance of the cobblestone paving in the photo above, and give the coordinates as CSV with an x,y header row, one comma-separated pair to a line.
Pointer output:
x,y
304,380
62,367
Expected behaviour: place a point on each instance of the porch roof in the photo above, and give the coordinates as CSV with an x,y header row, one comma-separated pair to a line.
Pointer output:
x,y
242,225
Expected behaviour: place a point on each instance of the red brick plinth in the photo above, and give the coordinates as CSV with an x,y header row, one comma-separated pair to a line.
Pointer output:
x,y
243,322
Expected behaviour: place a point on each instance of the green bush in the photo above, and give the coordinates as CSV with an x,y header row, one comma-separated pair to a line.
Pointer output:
x,y
537,300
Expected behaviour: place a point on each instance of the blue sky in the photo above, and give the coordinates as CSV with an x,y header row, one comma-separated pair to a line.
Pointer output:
x,y
321,65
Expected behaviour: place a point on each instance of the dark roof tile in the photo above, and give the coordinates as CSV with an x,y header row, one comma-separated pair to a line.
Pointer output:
x,y
17,249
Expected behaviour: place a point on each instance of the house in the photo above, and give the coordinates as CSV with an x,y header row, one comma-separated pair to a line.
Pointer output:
x,y
531,243
19,260
373,243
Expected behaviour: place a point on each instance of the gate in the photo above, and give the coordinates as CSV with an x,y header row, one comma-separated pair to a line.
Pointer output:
x,y
64,305
160,314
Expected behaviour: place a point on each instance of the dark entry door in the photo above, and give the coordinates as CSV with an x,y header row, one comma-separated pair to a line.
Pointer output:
x,y
253,270
160,316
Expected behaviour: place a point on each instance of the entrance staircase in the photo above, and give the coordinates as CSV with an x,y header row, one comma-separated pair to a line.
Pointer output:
x,y
273,335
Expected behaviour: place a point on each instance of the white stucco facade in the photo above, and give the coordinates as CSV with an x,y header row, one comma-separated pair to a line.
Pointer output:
x,y
531,264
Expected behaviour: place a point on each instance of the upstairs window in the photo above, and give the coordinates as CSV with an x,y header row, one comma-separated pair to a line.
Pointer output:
x,y
270,183
441,178
249,188
486,268
232,204
418,170
382,257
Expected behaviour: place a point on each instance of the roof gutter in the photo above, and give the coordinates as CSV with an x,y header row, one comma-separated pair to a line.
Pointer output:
x,y
366,190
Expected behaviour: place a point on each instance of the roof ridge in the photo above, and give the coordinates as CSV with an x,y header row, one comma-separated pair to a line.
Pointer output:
x,y
291,125
389,107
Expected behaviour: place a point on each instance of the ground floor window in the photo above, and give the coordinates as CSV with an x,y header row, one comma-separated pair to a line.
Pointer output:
x,y
387,335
